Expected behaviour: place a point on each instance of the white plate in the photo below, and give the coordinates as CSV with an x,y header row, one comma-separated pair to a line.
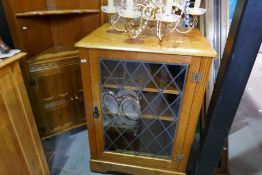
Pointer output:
x,y
106,9
197,11
126,14
168,18
178,5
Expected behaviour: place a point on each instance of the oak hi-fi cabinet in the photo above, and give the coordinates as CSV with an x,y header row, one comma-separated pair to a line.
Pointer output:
x,y
142,99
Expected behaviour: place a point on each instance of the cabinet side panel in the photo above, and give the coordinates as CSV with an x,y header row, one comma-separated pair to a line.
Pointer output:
x,y
12,160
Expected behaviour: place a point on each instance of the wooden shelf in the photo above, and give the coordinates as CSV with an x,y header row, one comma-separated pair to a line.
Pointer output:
x,y
54,57
55,52
151,116
165,118
56,12
150,88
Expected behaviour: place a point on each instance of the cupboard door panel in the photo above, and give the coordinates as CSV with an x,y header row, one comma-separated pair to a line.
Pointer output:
x,y
78,92
53,91
20,148
142,107
10,150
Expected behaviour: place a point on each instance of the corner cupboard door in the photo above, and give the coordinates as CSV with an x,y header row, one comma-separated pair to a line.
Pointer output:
x,y
78,92
141,107
53,92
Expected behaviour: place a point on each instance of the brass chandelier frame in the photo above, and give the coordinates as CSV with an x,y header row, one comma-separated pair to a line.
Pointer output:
x,y
152,15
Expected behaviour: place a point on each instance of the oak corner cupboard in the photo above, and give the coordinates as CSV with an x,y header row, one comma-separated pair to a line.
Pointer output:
x,y
142,99
47,30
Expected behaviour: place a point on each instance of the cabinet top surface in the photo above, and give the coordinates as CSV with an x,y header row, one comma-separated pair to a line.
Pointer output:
x,y
193,43
12,59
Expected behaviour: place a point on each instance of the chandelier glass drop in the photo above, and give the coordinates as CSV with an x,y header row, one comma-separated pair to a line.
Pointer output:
x,y
157,16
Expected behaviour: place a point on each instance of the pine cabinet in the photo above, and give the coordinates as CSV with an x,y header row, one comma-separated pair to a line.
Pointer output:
x,y
142,99
20,149
58,94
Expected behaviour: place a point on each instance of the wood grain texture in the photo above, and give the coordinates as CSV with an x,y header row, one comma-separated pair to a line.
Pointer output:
x,y
193,43
58,106
20,142
27,5
141,56
101,166
8,61
68,4
67,30
57,12
35,34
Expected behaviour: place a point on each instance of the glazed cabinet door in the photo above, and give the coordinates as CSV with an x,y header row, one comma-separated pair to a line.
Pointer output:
x,y
55,100
78,92
140,106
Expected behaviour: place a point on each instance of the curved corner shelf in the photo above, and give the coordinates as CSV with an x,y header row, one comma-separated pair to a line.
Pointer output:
x,y
56,12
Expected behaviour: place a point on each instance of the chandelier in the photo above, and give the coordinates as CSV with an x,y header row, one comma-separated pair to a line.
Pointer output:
x,y
156,16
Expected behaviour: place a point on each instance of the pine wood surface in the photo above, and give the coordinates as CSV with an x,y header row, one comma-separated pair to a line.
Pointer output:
x,y
7,61
193,43
20,148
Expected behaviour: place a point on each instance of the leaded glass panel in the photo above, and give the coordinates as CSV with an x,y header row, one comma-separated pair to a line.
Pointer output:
x,y
141,103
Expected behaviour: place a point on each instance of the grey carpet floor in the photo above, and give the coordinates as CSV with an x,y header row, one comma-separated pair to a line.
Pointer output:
x,y
245,139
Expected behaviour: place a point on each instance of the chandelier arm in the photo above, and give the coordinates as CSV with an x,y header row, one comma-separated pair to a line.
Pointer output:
x,y
141,26
114,22
159,30
189,30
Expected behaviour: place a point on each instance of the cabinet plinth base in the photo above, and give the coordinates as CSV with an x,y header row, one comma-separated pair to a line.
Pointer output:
x,y
105,166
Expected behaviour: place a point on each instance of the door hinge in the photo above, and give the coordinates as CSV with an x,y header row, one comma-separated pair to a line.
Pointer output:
x,y
179,157
32,83
197,77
